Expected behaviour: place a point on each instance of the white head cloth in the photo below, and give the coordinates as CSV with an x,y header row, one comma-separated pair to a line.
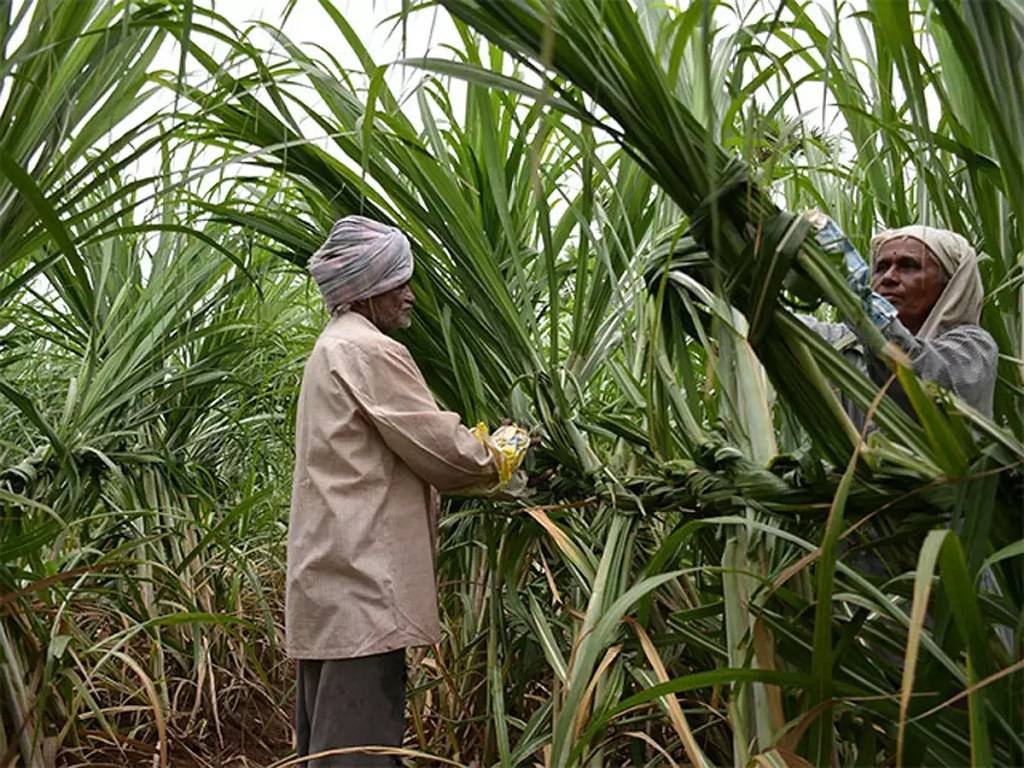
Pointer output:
x,y
961,300
361,258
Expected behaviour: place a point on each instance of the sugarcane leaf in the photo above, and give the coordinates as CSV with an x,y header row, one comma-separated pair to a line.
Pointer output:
x,y
33,195
963,603
922,586
820,733
474,73
947,445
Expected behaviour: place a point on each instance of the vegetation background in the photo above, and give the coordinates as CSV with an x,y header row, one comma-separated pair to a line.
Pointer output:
x,y
713,567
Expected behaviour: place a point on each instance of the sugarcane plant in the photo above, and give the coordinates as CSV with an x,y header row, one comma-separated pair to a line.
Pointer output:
x,y
602,49
602,199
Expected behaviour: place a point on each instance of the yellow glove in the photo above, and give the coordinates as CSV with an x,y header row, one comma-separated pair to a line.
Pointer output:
x,y
508,446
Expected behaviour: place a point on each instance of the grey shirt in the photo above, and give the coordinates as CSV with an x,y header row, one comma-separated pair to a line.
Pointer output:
x,y
963,360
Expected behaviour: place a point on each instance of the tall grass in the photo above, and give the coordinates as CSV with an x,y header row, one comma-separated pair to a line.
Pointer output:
x,y
604,254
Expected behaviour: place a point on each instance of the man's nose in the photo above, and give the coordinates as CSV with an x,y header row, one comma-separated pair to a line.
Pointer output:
x,y
888,275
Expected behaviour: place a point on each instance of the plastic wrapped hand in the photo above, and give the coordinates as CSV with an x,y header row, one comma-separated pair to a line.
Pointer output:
x,y
858,275
508,445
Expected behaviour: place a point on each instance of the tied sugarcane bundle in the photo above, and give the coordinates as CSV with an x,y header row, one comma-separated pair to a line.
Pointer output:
x,y
754,247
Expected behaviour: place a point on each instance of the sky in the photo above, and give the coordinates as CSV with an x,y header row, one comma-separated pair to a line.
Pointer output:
x,y
388,40
306,23
374,21
378,24
427,31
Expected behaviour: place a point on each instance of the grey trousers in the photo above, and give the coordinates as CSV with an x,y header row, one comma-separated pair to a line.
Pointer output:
x,y
349,703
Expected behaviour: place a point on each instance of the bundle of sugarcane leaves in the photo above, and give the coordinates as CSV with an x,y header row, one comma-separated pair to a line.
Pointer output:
x,y
798,489
753,249
741,246
945,467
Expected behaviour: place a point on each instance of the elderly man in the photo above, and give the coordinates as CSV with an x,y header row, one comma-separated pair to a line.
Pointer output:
x,y
924,292
370,444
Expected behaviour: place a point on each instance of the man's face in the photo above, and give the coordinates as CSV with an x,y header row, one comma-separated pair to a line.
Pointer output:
x,y
391,310
910,278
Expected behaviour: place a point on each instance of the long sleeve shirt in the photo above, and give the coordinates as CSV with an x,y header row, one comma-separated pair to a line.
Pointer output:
x,y
962,360
370,442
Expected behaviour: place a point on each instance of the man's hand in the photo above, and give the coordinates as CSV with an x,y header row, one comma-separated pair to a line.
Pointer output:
x,y
858,274
508,445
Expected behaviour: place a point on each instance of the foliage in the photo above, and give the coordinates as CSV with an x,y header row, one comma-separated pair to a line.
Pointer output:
x,y
713,566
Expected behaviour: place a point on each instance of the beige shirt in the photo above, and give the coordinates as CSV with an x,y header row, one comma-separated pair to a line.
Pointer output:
x,y
369,443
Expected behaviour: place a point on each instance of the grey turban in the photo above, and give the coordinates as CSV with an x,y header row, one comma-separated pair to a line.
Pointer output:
x,y
361,258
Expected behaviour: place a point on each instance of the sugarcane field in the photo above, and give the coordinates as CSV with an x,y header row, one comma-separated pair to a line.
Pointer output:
x,y
511,383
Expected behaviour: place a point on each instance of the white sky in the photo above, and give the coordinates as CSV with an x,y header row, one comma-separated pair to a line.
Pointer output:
x,y
378,25
309,24
428,30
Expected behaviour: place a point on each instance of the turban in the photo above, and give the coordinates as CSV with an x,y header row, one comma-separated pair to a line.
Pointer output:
x,y
360,258
961,299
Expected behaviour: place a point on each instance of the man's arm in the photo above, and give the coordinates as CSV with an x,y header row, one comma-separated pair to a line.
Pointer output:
x,y
392,394
833,333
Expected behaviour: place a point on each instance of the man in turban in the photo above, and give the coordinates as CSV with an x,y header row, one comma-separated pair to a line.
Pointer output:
x,y
371,446
924,292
